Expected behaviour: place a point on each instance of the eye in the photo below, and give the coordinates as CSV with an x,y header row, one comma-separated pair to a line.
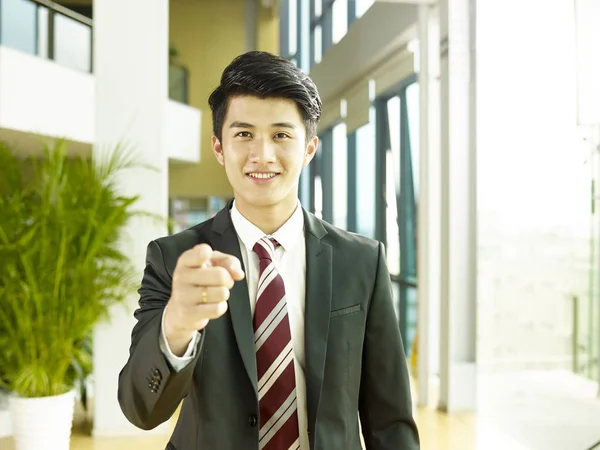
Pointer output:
x,y
243,134
282,136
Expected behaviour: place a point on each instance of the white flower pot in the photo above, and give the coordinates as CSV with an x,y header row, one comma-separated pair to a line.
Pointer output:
x,y
42,423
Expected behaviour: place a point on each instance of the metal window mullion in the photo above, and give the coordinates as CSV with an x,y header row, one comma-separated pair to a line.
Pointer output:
x,y
300,34
311,33
381,140
351,12
327,28
405,208
408,186
92,56
327,175
284,29
352,223
51,43
37,28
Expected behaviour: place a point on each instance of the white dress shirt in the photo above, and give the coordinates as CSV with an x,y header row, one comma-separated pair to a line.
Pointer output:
x,y
290,262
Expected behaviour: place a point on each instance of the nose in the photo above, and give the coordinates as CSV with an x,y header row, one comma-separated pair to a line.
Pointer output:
x,y
262,151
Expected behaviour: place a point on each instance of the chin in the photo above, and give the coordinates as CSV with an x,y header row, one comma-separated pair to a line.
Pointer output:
x,y
256,200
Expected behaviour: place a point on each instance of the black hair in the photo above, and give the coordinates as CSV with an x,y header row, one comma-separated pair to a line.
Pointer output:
x,y
265,75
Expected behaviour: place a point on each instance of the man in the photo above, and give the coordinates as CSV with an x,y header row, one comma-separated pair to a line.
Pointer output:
x,y
276,329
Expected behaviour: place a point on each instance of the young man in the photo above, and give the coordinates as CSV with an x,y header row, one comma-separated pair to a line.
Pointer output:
x,y
276,329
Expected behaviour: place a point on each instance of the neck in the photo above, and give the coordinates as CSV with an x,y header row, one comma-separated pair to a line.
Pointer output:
x,y
268,218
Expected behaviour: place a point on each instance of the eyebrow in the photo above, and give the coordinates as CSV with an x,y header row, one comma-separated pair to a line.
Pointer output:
x,y
238,124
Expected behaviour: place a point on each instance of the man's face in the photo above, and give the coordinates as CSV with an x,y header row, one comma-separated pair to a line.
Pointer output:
x,y
263,150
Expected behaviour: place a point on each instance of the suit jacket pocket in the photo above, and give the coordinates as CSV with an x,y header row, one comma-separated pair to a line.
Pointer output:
x,y
346,311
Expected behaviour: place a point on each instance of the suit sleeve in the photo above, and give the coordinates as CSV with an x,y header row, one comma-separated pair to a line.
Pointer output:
x,y
150,389
385,399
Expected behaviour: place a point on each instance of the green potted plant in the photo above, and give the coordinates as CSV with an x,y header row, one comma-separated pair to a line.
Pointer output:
x,y
61,271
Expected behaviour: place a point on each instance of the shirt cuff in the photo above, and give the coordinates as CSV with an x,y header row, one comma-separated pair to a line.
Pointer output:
x,y
177,362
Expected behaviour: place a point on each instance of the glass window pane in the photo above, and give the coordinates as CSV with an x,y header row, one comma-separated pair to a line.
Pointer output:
x,y
391,216
392,185
317,186
304,44
318,197
72,43
18,24
362,6
318,44
393,116
318,8
365,180
305,187
412,102
340,176
292,27
339,20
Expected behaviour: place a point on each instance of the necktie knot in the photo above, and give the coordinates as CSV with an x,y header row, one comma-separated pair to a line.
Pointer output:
x,y
265,248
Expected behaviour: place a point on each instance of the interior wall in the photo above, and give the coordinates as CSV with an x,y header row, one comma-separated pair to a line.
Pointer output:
x,y
208,36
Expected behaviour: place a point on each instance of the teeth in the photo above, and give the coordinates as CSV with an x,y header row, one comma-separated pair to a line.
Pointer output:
x,y
262,175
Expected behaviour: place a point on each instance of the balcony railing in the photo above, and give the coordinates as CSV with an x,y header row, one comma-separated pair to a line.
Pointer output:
x,y
49,30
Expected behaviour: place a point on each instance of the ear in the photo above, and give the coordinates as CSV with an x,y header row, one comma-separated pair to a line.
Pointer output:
x,y
311,150
218,150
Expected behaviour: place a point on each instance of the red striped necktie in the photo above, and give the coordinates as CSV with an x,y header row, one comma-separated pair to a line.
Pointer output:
x,y
274,357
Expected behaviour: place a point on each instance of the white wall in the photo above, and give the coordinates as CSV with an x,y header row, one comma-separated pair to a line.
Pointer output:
x,y
130,108
534,183
182,132
41,97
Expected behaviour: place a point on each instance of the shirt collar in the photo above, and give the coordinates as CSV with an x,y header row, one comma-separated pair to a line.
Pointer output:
x,y
287,235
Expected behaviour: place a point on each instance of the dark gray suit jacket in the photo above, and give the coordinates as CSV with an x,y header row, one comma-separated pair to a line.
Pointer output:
x,y
355,361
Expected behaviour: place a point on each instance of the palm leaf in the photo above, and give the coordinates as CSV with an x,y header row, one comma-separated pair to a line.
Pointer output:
x,y
62,265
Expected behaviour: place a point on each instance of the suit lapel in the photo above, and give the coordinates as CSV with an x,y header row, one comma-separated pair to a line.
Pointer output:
x,y
225,240
317,311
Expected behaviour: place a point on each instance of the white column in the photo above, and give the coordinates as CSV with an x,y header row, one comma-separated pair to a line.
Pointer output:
x,y
131,69
458,331
429,202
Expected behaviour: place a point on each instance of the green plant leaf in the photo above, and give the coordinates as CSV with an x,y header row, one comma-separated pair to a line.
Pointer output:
x,y
63,266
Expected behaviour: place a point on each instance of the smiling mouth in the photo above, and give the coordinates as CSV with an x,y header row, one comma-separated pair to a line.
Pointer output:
x,y
262,176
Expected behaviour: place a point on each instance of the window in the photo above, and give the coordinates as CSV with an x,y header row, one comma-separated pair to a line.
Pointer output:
x,y
72,46
392,185
339,25
43,31
292,27
305,188
317,44
361,7
365,180
398,165
412,102
288,31
340,176
294,32
18,24
309,27
321,22
318,8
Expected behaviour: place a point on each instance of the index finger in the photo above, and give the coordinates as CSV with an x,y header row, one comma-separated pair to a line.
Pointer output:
x,y
228,262
196,256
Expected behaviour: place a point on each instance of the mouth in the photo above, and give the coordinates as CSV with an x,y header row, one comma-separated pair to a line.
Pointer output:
x,y
262,177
